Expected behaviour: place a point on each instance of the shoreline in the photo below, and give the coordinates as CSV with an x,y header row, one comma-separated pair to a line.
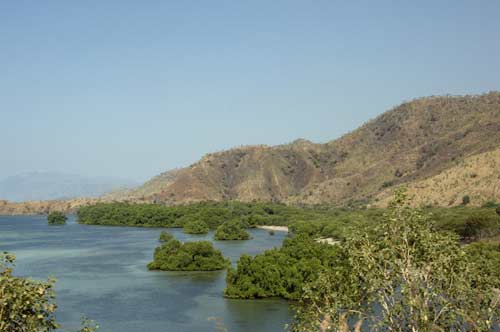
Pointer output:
x,y
275,228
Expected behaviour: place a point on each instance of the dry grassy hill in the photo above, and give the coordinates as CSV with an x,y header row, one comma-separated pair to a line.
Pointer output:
x,y
441,147
412,142
477,176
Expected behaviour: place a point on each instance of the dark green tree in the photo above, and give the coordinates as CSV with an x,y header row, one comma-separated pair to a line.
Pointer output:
x,y
195,227
166,236
479,226
190,256
231,230
280,272
56,218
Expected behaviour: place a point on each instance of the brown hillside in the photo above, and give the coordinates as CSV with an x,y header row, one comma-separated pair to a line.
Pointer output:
x,y
429,144
477,176
413,141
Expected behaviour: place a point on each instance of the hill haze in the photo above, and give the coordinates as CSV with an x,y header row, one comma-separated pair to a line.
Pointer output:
x,y
36,186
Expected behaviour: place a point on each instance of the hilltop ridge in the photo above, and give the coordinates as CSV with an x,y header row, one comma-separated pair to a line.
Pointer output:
x,y
424,144
411,142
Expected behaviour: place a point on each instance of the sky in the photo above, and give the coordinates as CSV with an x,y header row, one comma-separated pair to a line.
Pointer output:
x,y
130,89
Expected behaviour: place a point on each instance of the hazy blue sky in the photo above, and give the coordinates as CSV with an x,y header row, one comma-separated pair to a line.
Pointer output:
x,y
133,88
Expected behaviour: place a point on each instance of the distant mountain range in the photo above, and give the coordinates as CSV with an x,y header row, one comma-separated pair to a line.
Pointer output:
x,y
441,148
38,186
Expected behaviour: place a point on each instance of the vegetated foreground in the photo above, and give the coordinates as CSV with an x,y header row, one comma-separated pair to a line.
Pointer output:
x,y
424,269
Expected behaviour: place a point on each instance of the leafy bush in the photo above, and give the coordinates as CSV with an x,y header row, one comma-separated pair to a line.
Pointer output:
x,y
190,256
489,205
479,226
56,218
231,230
28,305
279,272
468,223
465,200
401,275
486,257
166,236
196,227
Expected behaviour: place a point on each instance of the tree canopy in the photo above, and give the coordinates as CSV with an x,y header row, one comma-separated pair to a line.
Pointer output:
x,y
174,255
402,275
196,227
280,272
56,218
231,230
165,236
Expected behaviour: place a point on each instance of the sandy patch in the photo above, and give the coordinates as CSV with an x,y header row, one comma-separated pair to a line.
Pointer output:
x,y
327,240
275,228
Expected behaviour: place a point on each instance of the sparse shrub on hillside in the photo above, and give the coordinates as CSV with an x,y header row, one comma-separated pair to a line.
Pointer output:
x,y
489,204
387,184
56,218
465,200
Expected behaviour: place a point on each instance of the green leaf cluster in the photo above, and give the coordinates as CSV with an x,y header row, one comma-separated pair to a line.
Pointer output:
x,y
402,275
190,256
231,230
471,224
196,227
216,213
166,236
56,218
280,272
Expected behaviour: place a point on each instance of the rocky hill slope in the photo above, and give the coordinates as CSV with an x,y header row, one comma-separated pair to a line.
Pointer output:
x,y
415,141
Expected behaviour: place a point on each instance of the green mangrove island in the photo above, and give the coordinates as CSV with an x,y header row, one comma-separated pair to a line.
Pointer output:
x,y
174,255
56,218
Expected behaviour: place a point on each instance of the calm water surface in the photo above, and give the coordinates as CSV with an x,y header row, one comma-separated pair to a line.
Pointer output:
x,y
101,272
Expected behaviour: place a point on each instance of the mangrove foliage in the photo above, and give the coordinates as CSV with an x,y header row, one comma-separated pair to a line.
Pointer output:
x,y
174,255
